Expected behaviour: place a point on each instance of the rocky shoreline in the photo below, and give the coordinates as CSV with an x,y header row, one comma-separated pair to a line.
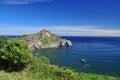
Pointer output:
x,y
44,39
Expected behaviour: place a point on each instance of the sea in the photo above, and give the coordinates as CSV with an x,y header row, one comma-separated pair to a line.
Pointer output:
x,y
102,55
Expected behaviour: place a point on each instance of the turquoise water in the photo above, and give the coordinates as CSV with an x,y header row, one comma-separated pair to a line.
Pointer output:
x,y
102,55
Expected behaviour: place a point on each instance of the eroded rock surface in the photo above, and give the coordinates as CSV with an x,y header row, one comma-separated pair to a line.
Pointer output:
x,y
44,39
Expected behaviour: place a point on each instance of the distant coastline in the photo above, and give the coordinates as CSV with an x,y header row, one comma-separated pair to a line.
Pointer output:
x,y
14,36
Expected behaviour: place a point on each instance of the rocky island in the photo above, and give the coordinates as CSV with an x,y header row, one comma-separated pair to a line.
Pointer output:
x,y
44,39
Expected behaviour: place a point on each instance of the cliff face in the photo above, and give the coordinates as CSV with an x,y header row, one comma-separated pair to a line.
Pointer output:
x,y
44,39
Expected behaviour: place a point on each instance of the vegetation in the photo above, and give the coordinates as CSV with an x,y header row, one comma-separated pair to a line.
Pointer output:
x,y
40,69
49,40
14,54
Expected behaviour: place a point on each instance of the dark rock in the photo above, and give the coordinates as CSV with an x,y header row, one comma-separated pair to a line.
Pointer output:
x,y
65,43
83,61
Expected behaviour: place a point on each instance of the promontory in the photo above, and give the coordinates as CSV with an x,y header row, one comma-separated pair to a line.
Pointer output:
x,y
44,39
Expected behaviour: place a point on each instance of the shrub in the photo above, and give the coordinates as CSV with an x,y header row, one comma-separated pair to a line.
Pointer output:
x,y
42,70
14,54
44,59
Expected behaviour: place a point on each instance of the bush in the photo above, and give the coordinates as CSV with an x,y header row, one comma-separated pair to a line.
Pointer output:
x,y
14,54
42,70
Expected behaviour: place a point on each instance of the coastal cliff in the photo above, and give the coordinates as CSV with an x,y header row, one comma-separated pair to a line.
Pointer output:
x,y
44,39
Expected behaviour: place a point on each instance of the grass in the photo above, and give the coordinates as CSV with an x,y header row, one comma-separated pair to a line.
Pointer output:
x,y
40,69
84,76
49,40
13,76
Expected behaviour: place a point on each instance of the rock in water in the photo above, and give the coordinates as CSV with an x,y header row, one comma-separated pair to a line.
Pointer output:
x,y
65,43
44,39
83,61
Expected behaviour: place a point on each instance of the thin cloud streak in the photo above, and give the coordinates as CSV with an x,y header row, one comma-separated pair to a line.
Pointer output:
x,y
22,1
61,30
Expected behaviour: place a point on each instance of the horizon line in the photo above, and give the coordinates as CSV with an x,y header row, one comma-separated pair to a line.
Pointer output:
x,y
86,30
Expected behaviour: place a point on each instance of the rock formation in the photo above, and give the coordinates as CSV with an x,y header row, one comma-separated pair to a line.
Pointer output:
x,y
65,43
44,39
83,61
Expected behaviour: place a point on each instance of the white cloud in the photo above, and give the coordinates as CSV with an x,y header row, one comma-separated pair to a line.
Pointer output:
x,y
22,1
61,30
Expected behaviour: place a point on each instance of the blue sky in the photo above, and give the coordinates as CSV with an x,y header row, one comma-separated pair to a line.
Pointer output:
x,y
63,17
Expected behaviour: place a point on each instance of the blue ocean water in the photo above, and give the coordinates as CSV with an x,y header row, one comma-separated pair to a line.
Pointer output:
x,y
102,55
12,36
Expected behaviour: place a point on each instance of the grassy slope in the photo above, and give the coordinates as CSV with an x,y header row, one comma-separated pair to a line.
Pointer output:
x,y
40,69
23,76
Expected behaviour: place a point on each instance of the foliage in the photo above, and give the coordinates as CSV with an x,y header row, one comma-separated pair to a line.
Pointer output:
x,y
42,70
44,59
84,76
14,54
49,40
3,41
13,76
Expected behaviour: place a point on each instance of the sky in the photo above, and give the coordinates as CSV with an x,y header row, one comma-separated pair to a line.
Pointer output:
x,y
63,17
